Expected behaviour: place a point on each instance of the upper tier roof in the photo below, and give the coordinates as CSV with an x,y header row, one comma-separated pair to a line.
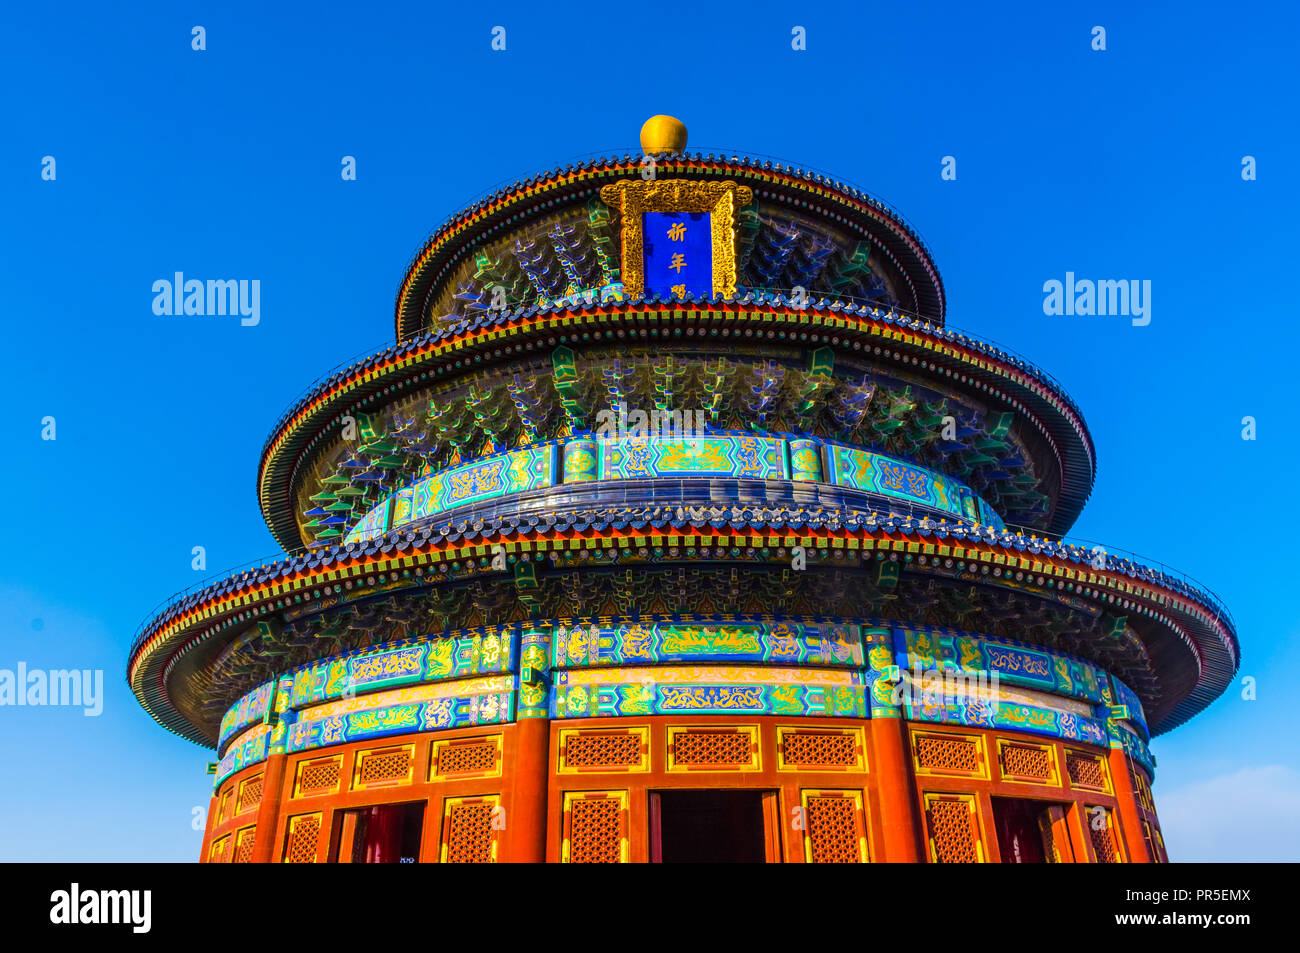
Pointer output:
x,y
824,231
950,361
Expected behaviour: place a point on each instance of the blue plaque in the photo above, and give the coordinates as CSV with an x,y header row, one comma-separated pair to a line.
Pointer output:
x,y
678,253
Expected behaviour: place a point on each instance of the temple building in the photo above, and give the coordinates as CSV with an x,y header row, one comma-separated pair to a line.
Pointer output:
x,y
676,526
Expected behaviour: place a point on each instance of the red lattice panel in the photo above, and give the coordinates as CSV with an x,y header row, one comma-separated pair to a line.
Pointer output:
x,y
602,749
250,795
817,749
464,759
244,845
722,748
319,776
833,830
1085,770
947,754
385,766
595,831
303,832
951,832
1103,842
1027,761
469,834
217,855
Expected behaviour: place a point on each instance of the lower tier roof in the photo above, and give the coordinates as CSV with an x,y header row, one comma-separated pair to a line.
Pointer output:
x,y
1171,641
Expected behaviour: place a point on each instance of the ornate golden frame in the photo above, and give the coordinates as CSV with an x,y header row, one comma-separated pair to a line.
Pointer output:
x,y
633,197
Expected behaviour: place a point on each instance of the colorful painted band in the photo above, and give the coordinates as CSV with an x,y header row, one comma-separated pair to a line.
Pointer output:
x,y
637,456
760,665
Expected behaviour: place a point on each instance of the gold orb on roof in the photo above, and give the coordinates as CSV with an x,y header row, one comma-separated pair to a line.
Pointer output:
x,y
663,134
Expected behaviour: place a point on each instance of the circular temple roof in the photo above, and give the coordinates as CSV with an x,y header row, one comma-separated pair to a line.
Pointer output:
x,y
875,308
832,204
949,359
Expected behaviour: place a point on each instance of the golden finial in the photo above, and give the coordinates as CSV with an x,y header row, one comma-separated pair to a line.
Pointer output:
x,y
663,134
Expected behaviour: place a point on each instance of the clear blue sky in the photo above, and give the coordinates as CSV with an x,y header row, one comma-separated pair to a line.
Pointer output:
x,y
225,163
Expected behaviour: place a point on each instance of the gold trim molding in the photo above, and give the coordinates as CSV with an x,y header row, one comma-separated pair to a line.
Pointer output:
x,y
720,200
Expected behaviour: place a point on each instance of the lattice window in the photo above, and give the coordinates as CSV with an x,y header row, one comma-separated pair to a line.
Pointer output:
x,y
1085,770
712,749
1027,762
244,845
1101,830
820,750
384,766
602,749
595,828
300,846
217,853
250,794
468,836
953,829
833,827
478,757
223,812
1051,852
319,777
947,754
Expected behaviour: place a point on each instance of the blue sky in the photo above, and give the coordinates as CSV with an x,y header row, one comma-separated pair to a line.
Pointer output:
x,y
225,163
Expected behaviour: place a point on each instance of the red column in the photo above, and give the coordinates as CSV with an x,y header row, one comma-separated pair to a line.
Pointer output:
x,y
214,805
1130,822
524,837
268,810
899,823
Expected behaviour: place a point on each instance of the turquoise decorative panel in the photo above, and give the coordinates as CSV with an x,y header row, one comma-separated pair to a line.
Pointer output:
x,y
534,673
249,710
1123,737
404,663
580,460
876,473
617,699
720,455
251,749
525,469
806,460
370,526
1125,698
920,648
483,701
934,662
772,643
878,642
633,666
988,516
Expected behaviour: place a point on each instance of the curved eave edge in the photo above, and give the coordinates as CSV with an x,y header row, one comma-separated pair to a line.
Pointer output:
x,y
978,360
1207,634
